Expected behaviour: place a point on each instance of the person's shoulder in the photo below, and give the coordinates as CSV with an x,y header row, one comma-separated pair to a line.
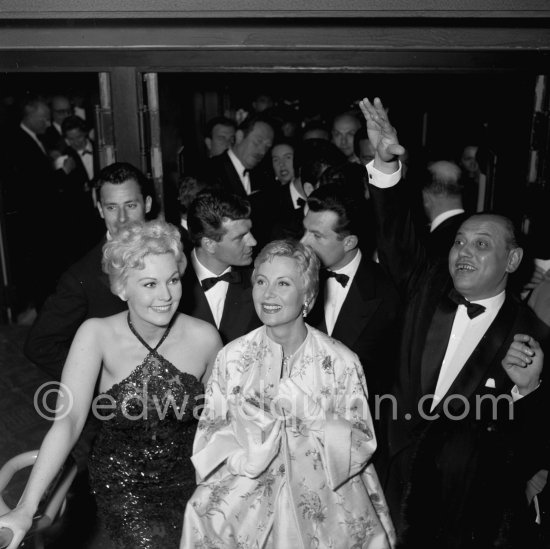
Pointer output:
x,y
102,328
245,340
89,263
334,346
197,329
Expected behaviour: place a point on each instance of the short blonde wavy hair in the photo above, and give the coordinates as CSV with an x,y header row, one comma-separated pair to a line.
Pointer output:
x,y
307,260
129,247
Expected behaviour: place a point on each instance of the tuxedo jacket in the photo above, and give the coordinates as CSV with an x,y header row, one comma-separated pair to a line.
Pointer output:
x,y
288,220
463,471
82,292
366,322
238,317
221,173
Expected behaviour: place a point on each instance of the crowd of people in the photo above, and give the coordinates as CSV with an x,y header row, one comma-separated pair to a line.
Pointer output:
x,y
325,350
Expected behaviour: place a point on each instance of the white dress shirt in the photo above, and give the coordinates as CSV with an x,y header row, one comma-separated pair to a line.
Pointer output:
x,y
215,295
335,293
88,159
462,332
241,170
466,334
443,217
295,196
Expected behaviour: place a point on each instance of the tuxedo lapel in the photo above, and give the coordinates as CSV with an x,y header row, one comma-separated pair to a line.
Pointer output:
x,y
193,301
358,307
437,340
482,358
232,176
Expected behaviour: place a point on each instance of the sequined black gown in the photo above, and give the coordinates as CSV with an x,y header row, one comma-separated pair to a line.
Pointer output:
x,y
140,468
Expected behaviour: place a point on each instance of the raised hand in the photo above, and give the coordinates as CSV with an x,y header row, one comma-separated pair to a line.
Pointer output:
x,y
523,363
382,134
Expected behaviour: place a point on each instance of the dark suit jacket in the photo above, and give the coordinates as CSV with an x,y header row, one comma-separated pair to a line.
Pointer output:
x,y
440,241
366,322
82,292
220,172
463,473
288,221
239,316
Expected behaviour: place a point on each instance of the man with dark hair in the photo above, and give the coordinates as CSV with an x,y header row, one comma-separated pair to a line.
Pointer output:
x,y
468,412
238,170
356,303
216,285
220,135
442,201
83,290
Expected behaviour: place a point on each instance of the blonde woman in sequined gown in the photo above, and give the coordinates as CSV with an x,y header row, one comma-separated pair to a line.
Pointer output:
x,y
149,363
283,447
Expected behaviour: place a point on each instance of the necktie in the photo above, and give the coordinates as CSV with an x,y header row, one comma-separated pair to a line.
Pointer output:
x,y
473,309
231,276
343,279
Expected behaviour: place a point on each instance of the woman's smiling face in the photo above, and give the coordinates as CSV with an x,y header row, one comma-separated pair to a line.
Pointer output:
x,y
279,292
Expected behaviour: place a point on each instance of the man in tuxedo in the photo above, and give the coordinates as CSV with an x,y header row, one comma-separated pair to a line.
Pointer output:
x,y
83,290
32,213
467,409
356,304
238,170
53,138
290,196
216,284
442,201
76,197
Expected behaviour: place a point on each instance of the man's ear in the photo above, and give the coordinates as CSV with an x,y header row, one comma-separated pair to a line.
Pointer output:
x,y
148,204
350,242
208,244
100,209
514,259
208,143
239,136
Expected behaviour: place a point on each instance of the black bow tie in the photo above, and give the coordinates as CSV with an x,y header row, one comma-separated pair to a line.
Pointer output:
x,y
231,276
85,152
473,309
300,203
341,278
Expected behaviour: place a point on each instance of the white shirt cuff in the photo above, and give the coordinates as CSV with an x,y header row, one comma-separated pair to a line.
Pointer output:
x,y
383,180
516,395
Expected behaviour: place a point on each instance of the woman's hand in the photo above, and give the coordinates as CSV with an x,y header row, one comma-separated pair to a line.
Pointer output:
x,y
255,459
19,522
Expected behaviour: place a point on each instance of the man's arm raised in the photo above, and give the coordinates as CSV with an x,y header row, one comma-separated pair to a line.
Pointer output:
x,y
382,135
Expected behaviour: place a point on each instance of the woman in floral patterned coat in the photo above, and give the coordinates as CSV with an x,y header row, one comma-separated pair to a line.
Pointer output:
x,y
284,443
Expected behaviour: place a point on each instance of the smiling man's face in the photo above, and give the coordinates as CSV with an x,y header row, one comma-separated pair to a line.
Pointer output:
x,y
481,257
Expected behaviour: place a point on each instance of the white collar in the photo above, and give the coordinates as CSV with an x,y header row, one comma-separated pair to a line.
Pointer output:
x,y
33,136
200,270
492,303
351,268
237,164
438,219
294,194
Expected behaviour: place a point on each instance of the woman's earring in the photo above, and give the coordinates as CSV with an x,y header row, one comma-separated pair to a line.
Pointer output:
x,y
304,309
